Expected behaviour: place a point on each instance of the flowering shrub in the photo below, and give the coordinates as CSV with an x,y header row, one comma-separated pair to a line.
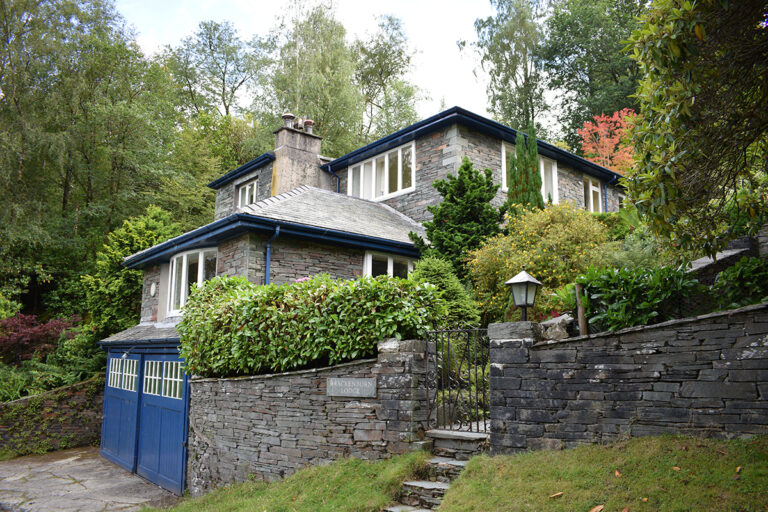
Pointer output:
x,y
555,244
233,327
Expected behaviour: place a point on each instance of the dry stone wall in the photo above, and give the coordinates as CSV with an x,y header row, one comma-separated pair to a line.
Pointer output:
x,y
705,376
61,418
269,426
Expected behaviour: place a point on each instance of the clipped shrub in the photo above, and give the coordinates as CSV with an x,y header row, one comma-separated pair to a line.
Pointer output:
x,y
742,284
462,310
623,297
555,244
233,327
464,219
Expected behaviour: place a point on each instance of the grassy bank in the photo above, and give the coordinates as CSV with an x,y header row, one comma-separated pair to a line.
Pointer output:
x,y
346,485
646,474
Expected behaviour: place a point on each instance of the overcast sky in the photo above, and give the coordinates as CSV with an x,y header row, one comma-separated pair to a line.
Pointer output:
x,y
432,26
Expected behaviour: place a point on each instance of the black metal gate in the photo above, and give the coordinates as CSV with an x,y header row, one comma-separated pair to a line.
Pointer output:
x,y
457,379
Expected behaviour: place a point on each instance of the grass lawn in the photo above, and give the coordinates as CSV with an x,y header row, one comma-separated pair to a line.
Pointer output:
x,y
645,474
346,485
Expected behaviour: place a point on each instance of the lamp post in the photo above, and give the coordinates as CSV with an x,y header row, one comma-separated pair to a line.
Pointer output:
x,y
524,287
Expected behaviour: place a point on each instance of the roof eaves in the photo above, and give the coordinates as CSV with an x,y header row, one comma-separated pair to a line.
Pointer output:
x,y
246,167
471,120
238,223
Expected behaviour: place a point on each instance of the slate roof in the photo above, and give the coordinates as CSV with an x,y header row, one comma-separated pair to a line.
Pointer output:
x,y
144,333
330,210
307,213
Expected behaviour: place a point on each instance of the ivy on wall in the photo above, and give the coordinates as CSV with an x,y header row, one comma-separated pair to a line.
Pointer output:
x,y
61,418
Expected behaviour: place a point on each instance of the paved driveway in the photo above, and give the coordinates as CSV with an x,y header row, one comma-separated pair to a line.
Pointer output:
x,y
74,480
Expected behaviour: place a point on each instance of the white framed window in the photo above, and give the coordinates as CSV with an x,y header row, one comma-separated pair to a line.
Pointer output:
x,y
130,372
622,198
189,269
547,170
173,379
383,176
123,373
247,193
593,197
115,372
153,377
377,264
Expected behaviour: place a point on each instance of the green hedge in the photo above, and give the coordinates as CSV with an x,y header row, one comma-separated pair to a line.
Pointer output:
x,y
618,298
233,327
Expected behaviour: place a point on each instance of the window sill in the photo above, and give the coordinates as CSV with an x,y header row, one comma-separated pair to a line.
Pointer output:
x,y
394,194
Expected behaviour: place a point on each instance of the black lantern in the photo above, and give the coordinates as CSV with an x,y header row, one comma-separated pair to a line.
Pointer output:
x,y
524,288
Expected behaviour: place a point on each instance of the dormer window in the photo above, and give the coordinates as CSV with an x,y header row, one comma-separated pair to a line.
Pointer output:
x,y
189,269
383,176
247,193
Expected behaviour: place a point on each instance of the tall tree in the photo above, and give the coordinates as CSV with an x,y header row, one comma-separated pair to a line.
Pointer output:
x,y
382,62
113,293
84,123
583,58
523,177
605,140
509,43
314,77
464,219
214,67
702,138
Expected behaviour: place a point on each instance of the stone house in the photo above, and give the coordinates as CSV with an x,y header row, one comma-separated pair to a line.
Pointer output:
x,y
292,213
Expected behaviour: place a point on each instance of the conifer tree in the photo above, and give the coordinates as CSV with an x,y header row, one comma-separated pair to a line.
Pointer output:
x,y
523,178
464,219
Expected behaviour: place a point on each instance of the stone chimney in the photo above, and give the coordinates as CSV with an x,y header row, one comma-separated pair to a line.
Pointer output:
x,y
297,157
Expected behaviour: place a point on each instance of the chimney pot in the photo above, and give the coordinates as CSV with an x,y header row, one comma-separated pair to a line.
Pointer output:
x,y
288,120
308,125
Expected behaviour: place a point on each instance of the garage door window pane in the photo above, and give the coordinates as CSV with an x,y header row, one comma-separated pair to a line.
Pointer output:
x,y
115,372
130,372
173,379
152,377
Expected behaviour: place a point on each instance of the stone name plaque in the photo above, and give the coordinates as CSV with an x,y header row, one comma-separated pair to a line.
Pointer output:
x,y
351,387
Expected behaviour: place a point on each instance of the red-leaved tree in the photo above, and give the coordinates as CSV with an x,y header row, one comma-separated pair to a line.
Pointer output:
x,y
23,336
605,140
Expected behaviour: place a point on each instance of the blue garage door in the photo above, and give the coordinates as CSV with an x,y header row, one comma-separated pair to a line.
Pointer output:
x,y
144,428
162,422
121,398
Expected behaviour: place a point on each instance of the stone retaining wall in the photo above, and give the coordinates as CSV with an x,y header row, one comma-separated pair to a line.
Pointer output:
x,y
269,426
705,376
61,418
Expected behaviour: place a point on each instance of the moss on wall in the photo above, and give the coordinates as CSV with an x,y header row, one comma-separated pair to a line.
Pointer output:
x,y
62,418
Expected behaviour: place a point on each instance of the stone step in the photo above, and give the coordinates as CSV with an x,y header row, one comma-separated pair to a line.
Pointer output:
x,y
446,469
404,508
457,444
423,493
425,445
458,435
